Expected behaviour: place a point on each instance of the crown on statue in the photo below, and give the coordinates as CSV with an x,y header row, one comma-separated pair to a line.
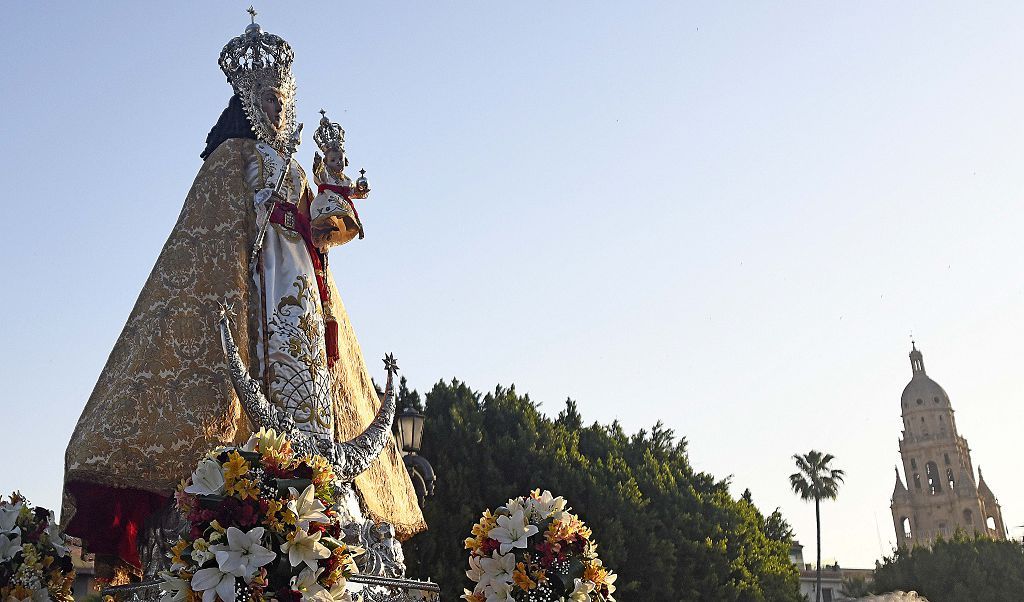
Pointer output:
x,y
253,62
256,51
330,135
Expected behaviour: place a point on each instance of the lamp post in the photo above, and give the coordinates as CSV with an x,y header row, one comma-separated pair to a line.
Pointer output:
x,y
409,435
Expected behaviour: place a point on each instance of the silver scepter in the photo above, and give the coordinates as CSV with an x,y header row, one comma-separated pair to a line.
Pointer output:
x,y
293,145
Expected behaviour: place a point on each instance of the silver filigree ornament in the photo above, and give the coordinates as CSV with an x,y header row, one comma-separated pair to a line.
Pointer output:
x,y
257,61
349,458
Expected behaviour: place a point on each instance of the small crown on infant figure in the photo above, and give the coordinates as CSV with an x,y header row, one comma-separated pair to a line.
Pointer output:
x,y
330,139
329,136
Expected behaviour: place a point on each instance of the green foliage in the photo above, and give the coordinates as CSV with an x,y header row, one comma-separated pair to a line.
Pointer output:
x,y
856,587
670,532
961,568
815,479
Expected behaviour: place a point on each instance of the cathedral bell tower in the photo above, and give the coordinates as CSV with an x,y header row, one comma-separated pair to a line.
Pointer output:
x,y
941,493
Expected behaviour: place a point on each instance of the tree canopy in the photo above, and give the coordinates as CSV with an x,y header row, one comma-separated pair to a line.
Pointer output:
x,y
669,531
960,568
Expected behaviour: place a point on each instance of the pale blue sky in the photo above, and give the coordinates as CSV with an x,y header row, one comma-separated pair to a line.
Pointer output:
x,y
727,216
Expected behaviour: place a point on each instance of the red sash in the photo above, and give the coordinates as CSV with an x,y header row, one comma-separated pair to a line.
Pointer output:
x,y
344,191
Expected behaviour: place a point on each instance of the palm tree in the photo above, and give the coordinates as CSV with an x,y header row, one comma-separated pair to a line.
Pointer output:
x,y
817,481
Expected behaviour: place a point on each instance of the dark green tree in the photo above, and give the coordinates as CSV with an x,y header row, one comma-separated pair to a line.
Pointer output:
x,y
963,567
816,480
669,531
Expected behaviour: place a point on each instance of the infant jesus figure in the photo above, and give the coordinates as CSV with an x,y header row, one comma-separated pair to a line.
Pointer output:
x,y
332,213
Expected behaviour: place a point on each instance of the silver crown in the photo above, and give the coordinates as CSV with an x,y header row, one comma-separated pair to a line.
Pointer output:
x,y
330,135
253,62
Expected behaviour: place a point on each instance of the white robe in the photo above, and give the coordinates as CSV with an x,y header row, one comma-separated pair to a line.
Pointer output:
x,y
291,351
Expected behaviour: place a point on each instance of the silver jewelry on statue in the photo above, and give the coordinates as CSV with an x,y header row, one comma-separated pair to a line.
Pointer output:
x,y
253,63
350,458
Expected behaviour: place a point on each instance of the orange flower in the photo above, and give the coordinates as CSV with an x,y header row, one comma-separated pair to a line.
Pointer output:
x,y
176,551
595,573
522,578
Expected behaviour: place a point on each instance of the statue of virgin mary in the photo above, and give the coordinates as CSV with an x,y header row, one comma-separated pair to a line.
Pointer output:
x,y
164,397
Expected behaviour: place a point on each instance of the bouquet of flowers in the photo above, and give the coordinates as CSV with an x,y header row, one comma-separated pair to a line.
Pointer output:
x,y
533,548
262,528
34,561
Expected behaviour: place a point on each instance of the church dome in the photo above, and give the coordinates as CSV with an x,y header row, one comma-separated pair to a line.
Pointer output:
x,y
922,392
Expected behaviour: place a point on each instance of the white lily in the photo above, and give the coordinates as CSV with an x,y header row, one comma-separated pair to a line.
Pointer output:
x,y
306,582
306,508
208,479
512,531
214,582
498,568
9,547
53,533
476,572
305,548
8,516
500,592
515,505
581,593
243,555
537,509
174,589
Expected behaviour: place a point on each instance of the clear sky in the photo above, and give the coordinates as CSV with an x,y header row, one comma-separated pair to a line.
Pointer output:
x,y
726,216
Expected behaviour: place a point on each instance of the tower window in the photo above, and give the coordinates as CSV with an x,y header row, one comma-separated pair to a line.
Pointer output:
x,y
946,458
968,517
949,478
932,473
917,481
990,522
905,525
913,464
936,399
920,401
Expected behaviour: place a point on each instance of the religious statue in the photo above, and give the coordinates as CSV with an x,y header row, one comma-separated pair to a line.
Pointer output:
x,y
333,212
245,239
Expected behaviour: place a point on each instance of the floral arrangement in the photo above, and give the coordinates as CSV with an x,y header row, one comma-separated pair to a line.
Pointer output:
x,y
533,548
262,528
34,561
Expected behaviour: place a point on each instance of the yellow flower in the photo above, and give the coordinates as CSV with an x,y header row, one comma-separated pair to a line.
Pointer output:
x,y
522,578
323,471
595,573
487,522
216,527
235,467
244,488
273,520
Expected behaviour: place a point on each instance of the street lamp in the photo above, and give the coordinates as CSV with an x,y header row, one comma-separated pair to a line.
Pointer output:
x,y
410,430
409,436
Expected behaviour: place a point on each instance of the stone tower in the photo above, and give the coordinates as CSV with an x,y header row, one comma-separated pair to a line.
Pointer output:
x,y
941,494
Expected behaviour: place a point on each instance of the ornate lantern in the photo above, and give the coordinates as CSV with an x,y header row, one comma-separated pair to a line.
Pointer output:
x,y
410,430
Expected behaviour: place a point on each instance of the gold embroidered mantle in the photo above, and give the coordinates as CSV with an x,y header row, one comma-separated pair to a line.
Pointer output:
x,y
164,399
